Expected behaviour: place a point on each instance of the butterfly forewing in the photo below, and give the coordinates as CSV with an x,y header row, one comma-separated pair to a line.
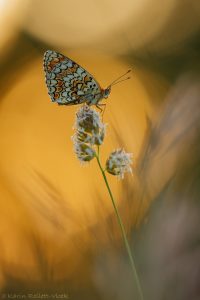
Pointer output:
x,y
67,82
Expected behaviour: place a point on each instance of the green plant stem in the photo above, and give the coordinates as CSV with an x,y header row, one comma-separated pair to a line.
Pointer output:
x,y
122,230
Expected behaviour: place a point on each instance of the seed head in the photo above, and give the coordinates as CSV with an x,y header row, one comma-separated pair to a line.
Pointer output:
x,y
88,119
83,151
89,128
119,162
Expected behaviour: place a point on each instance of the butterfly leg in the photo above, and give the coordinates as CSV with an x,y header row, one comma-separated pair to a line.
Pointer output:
x,y
99,107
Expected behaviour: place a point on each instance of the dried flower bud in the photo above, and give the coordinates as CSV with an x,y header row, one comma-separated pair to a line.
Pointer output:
x,y
88,119
83,137
118,163
83,151
89,128
99,137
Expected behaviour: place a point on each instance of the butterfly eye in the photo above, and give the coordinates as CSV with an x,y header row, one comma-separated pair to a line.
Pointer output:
x,y
107,92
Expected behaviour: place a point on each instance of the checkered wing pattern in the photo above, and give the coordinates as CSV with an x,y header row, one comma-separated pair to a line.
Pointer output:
x,y
67,82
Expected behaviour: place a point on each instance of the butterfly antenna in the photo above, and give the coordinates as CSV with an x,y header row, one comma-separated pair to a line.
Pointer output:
x,y
120,81
117,79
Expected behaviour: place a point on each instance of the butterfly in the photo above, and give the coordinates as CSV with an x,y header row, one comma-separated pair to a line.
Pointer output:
x,y
68,83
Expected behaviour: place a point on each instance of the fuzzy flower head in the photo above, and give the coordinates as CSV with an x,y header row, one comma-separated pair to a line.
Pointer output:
x,y
89,127
88,119
89,132
83,151
119,162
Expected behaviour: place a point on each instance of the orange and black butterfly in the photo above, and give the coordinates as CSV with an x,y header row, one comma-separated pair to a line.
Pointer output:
x,y
68,83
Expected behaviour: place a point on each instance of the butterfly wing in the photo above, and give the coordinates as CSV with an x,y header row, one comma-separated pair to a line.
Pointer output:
x,y
67,82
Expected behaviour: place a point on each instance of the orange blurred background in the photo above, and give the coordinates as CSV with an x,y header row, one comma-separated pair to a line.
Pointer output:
x,y
58,230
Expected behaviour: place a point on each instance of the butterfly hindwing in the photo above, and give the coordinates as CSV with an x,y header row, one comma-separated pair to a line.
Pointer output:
x,y
67,82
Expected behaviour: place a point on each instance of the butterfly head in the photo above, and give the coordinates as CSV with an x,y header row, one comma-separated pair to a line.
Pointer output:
x,y
106,92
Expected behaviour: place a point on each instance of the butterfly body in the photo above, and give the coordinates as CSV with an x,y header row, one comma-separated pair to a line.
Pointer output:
x,y
68,83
